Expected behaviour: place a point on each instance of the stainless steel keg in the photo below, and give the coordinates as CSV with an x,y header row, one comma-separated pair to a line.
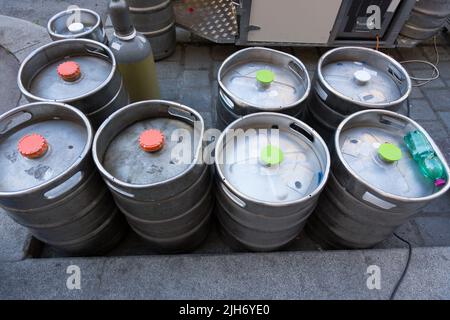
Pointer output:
x,y
80,72
375,185
77,23
260,80
48,181
271,169
150,155
155,19
351,79
427,19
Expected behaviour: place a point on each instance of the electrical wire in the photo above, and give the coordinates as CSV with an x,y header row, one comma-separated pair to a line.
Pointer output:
x,y
405,270
435,75
408,107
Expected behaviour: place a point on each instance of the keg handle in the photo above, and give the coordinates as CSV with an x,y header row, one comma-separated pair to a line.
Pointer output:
x,y
97,51
227,101
14,121
294,67
64,187
393,122
180,113
395,74
66,183
303,131
232,196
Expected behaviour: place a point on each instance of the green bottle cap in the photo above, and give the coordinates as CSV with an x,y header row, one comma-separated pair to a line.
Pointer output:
x,y
265,77
271,155
390,152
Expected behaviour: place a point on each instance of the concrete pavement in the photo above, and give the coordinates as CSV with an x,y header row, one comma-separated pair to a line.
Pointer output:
x,y
292,275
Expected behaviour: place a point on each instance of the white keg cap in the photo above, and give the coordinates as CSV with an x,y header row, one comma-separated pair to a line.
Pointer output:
x,y
362,76
76,27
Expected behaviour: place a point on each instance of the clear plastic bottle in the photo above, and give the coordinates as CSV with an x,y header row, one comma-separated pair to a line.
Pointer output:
x,y
423,153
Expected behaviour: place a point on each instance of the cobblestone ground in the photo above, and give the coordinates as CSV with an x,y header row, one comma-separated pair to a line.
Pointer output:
x,y
190,77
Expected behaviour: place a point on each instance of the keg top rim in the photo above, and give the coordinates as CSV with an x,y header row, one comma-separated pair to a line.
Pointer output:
x,y
87,45
347,124
364,78
267,77
64,13
317,146
34,152
100,145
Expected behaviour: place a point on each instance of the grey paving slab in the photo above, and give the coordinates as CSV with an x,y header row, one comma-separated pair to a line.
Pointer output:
x,y
410,232
21,37
14,239
177,55
168,70
196,79
421,110
169,89
197,57
434,230
440,206
445,116
439,98
305,275
435,128
197,98
426,74
444,145
444,69
416,93
9,92
430,53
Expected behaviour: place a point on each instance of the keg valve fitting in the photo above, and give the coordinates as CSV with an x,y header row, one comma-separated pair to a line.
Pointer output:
x,y
362,77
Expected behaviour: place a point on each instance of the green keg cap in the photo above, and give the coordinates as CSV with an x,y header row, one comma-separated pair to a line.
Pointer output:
x,y
271,155
265,76
389,152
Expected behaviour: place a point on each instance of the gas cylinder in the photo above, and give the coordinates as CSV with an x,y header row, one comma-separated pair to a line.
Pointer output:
x,y
134,55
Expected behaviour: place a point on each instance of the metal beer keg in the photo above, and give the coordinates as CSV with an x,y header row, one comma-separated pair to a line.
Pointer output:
x,y
75,24
79,72
271,169
375,185
149,154
261,80
49,183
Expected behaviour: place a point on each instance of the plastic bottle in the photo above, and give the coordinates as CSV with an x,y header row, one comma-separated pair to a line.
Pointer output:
x,y
422,152
133,54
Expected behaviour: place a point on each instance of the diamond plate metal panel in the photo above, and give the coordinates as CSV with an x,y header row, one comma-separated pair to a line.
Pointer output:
x,y
214,20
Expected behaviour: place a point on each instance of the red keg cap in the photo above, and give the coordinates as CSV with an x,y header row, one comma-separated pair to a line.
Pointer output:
x,y
69,71
33,146
151,140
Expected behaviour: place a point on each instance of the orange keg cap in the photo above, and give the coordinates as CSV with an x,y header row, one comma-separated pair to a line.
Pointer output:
x,y
69,71
33,146
151,140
